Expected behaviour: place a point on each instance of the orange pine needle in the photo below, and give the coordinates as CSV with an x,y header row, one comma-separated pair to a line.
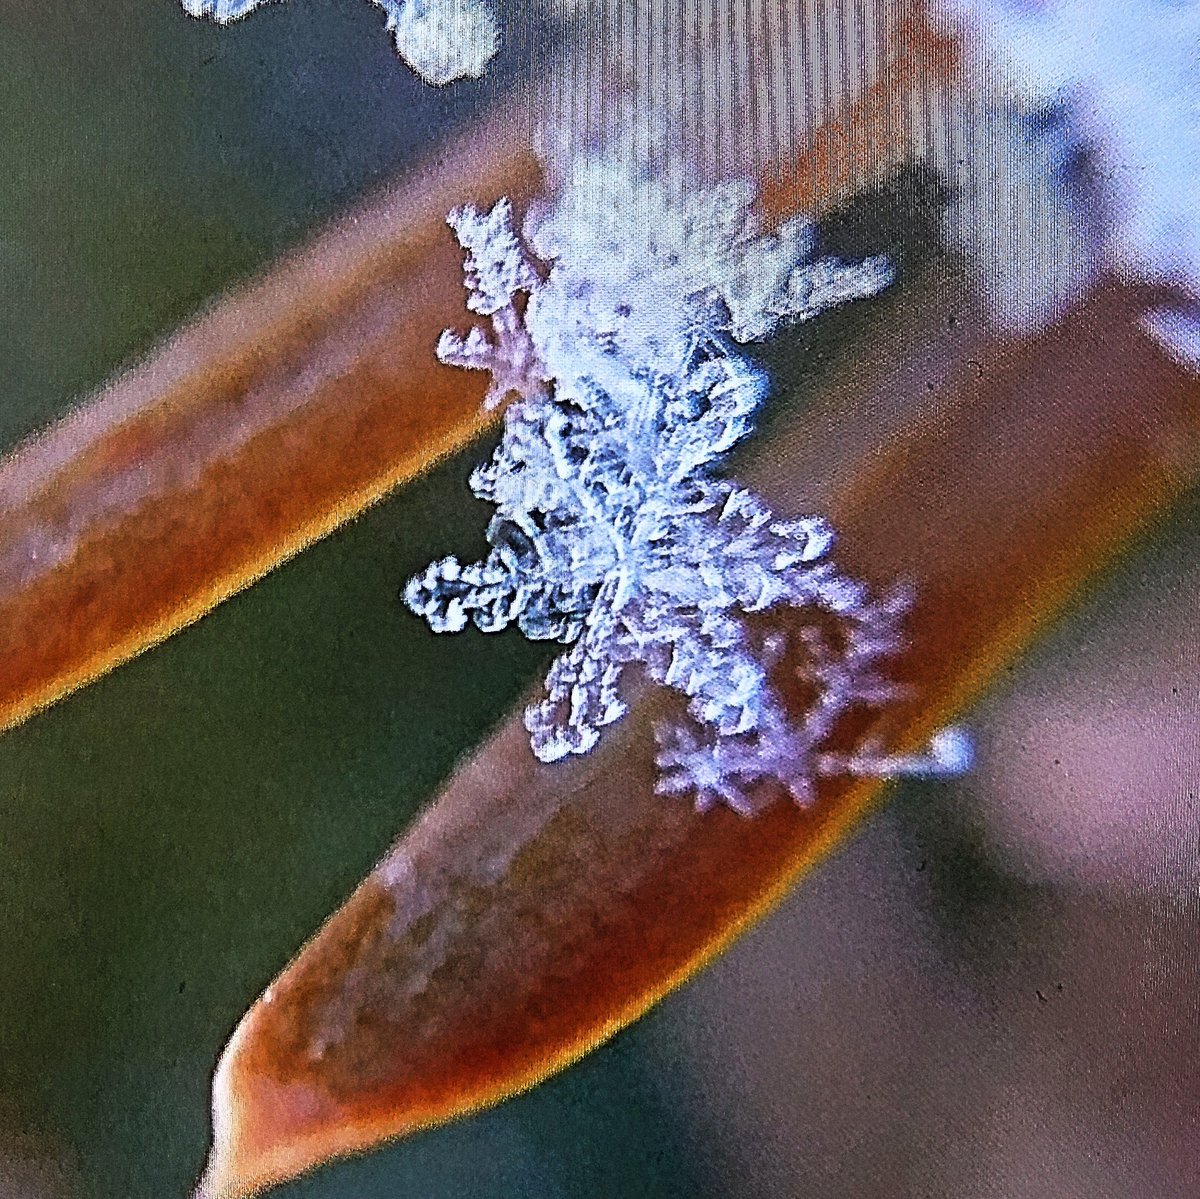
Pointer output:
x,y
266,425
532,911
301,401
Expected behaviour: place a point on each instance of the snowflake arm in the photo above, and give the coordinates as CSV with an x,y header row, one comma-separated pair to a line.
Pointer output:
x,y
582,696
951,752
498,271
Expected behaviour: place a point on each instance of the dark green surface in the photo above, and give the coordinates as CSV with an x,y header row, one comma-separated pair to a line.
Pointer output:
x,y
148,160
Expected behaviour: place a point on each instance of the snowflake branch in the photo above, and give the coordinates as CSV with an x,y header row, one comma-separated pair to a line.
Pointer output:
x,y
614,531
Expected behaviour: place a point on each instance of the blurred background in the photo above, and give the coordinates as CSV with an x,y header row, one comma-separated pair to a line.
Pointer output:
x,y
991,990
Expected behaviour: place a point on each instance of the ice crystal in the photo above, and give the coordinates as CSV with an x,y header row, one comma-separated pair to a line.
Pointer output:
x,y
442,40
220,10
621,225
614,531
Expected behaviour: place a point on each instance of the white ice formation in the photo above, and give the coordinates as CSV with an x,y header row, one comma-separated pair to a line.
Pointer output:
x,y
442,40
615,532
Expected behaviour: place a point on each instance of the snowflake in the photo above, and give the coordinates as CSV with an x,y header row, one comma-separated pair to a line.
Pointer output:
x,y
614,532
442,40
622,228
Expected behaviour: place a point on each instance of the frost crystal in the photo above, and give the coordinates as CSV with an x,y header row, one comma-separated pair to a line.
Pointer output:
x,y
622,226
220,10
442,40
613,531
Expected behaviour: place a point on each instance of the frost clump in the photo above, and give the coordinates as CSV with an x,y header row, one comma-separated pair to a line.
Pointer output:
x,y
614,532
220,10
1127,74
620,225
442,40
